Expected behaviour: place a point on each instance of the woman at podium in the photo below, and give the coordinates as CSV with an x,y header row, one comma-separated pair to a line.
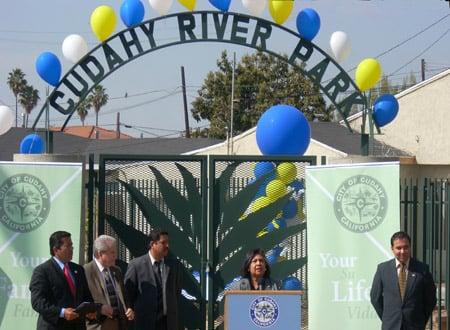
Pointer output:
x,y
255,273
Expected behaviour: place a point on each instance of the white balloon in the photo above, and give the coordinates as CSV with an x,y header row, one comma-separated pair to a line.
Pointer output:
x,y
340,46
6,119
255,7
74,47
161,6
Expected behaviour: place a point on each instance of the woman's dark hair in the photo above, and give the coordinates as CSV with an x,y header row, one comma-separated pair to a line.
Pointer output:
x,y
248,260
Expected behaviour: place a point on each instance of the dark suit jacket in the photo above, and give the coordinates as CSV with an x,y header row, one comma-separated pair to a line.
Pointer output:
x,y
420,296
141,289
50,292
100,294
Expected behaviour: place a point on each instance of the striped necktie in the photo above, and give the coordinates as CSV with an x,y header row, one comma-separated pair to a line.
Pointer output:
x,y
402,280
111,290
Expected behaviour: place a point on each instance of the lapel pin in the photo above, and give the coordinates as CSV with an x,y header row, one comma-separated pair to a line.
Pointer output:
x,y
413,275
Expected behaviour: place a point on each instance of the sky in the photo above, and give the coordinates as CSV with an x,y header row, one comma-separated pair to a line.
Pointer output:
x,y
153,106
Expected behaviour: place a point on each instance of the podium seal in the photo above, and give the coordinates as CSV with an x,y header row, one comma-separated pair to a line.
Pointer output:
x,y
264,312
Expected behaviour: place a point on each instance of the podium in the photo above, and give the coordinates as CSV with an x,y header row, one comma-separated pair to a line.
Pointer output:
x,y
274,310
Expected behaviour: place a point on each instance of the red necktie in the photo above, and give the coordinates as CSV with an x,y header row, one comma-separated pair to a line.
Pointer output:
x,y
69,279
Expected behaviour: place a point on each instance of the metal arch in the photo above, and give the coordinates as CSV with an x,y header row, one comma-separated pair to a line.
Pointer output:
x,y
342,73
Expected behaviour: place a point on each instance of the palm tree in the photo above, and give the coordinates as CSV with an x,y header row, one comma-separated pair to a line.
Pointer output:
x,y
16,82
98,99
83,108
28,98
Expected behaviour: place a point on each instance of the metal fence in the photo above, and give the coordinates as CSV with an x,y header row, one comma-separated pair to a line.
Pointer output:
x,y
425,215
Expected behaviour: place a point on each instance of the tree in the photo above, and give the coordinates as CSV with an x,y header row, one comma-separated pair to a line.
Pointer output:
x,y
28,99
83,108
98,99
260,81
16,82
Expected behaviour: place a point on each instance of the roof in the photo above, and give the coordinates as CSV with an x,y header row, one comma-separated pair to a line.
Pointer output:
x,y
74,145
89,132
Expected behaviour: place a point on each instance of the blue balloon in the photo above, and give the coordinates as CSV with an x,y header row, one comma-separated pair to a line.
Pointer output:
x,y
32,144
271,259
132,12
48,67
292,283
385,109
297,185
222,5
308,23
262,190
262,168
281,223
290,209
283,131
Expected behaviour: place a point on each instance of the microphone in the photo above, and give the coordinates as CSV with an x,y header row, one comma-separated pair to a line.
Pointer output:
x,y
260,283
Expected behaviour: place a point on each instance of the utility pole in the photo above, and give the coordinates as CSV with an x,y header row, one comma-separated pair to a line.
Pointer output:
x,y
422,68
186,118
118,126
232,102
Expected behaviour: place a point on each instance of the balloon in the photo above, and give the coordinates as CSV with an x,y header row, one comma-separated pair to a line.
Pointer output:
x,y
280,10
296,185
287,172
161,6
189,4
103,22
262,168
367,74
292,283
290,209
132,12
385,109
276,189
255,7
74,47
222,5
48,67
32,144
340,46
6,119
283,130
308,23
260,203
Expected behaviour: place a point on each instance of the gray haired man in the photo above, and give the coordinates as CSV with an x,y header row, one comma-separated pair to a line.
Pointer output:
x,y
105,282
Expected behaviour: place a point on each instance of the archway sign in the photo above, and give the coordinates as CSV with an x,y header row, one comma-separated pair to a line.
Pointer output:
x,y
203,26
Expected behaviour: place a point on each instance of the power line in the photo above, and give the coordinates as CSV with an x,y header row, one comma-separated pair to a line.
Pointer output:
x,y
423,52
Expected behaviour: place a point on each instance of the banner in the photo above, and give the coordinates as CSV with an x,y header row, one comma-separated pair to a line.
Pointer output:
x,y
352,211
36,199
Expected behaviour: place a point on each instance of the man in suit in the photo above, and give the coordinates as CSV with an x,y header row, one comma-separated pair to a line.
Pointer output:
x,y
403,291
153,285
105,282
58,286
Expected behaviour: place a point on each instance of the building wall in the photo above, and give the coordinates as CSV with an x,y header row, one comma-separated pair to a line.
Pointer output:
x,y
421,126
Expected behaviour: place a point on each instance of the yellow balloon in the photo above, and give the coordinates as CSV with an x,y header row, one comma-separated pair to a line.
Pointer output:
x,y
103,22
260,203
287,172
189,4
275,189
367,74
280,10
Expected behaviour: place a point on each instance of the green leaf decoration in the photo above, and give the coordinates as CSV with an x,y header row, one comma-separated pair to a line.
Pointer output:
x,y
281,269
224,182
235,207
249,227
177,203
195,199
180,243
134,240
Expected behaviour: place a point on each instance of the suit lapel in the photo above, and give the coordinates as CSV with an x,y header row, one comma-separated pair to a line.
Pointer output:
x,y
116,280
60,273
411,279
165,273
97,277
